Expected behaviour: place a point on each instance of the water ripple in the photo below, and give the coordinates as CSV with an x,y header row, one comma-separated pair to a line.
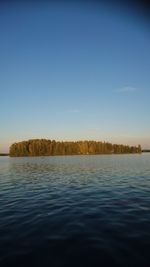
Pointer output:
x,y
75,211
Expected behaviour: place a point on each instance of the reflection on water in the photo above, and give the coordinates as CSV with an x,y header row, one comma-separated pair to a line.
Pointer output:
x,y
75,210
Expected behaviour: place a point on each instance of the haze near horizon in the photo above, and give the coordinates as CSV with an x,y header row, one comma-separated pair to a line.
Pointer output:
x,y
74,72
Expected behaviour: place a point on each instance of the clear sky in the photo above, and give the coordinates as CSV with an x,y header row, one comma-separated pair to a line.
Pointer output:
x,y
74,72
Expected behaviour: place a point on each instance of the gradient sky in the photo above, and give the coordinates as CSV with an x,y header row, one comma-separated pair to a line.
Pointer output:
x,y
74,72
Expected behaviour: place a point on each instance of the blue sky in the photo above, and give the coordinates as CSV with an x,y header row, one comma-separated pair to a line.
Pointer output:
x,y
72,72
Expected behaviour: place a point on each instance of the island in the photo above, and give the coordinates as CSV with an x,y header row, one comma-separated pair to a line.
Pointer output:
x,y
45,147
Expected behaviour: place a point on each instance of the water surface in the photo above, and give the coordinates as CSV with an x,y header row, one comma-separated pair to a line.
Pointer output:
x,y
75,210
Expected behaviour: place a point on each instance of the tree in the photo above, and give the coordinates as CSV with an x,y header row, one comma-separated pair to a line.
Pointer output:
x,y
44,147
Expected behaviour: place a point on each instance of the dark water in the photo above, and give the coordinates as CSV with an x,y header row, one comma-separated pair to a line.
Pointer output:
x,y
75,211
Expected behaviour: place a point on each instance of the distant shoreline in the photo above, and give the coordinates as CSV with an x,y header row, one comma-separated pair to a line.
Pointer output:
x,y
143,151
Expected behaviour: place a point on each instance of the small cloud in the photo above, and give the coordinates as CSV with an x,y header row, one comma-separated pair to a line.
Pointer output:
x,y
126,89
68,111
73,111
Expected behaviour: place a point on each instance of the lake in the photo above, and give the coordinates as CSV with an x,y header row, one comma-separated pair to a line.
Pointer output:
x,y
75,210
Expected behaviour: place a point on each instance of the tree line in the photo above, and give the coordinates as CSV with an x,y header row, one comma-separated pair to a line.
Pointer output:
x,y
44,147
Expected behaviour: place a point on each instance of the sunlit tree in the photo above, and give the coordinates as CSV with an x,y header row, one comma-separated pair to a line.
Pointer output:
x,y
44,147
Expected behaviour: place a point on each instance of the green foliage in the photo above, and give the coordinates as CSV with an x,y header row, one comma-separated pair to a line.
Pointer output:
x,y
44,147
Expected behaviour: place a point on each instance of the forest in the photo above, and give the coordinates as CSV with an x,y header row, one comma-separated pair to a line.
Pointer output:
x,y
44,147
